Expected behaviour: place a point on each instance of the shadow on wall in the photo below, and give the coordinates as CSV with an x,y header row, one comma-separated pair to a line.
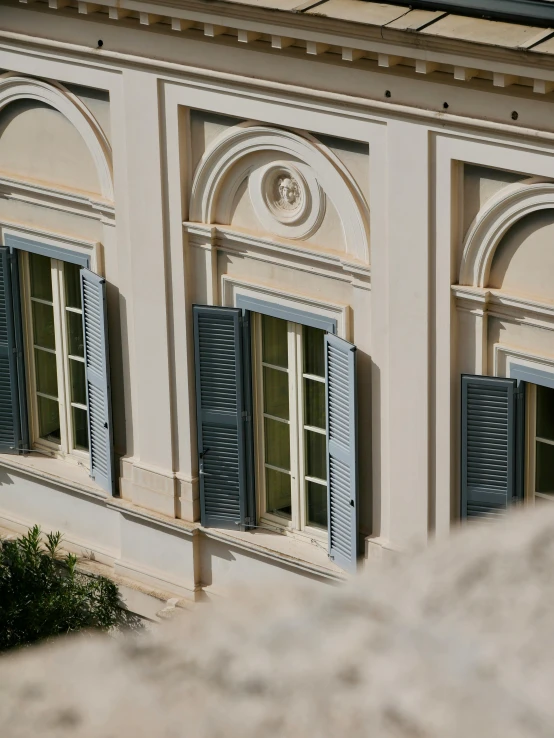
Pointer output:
x,y
5,478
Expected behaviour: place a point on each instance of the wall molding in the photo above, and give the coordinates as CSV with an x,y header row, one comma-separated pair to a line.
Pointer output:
x,y
494,220
228,163
90,249
272,251
297,32
231,288
504,356
498,304
57,198
16,87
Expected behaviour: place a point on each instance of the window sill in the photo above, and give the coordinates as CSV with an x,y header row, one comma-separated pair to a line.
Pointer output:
x,y
282,548
55,471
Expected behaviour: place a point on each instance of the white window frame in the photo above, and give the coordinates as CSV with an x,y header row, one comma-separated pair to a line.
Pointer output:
x,y
505,361
297,525
65,448
531,448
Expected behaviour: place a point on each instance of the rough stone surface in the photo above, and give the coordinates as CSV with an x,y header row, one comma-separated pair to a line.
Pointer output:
x,y
455,642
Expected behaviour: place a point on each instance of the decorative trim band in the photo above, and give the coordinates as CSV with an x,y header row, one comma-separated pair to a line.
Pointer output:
x,y
284,312
46,249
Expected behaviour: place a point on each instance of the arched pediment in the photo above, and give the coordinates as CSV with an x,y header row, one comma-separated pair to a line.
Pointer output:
x,y
494,220
14,88
288,192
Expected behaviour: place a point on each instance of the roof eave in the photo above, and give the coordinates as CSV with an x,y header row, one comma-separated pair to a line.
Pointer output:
x,y
535,12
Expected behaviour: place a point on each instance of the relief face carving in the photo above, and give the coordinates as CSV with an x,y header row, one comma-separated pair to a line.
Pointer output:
x,y
289,194
287,198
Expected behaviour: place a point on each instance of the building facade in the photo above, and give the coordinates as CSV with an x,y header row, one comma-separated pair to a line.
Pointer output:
x,y
276,281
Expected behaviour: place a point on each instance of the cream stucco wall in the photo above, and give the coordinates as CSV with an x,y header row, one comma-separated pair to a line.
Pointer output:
x,y
524,260
420,177
38,143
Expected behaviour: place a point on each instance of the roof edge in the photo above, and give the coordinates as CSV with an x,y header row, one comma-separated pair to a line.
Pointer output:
x,y
537,12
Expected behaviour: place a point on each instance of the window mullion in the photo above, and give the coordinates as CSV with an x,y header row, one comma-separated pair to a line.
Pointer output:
x,y
257,378
297,421
61,342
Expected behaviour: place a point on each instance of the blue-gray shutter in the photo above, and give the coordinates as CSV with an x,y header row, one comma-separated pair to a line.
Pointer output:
x,y
221,413
488,446
13,414
342,472
97,366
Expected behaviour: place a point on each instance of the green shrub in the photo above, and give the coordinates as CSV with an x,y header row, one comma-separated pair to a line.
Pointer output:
x,y
43,595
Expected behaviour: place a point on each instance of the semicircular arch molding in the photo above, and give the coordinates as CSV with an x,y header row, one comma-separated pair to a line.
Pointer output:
x,y
226,165
494,220
14,87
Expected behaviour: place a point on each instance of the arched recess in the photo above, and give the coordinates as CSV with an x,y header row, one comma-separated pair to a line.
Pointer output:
x,y
494,220
14,87
226,165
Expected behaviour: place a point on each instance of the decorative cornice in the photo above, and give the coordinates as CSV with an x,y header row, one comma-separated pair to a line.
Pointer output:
x,y
317,35
314,261
57,198
497,303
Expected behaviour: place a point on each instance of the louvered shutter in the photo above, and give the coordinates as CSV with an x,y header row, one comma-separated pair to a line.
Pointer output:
x,y
221,416
488,446
97,366
342,485
13,421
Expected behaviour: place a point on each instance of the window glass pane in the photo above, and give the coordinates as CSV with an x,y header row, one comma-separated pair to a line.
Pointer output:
x,y
545,412
78,387
314,403
43,325
80,429
71,273
274,341
49,419
314,357
46,374
316,455
41,277
276,393
75,334
277,443
278,492
316,504
544,475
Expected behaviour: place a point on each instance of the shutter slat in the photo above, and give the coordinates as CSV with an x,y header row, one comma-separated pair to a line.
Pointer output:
x,y
220,406
97,370
342,487
488,446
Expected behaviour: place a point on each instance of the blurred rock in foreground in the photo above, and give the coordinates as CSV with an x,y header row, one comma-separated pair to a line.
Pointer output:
x,y
455,642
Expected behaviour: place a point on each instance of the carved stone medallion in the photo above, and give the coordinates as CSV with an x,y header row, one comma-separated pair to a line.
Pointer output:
x,y
287,199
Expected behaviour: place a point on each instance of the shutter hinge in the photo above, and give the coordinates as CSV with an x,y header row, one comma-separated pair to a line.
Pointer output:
x,y
245,416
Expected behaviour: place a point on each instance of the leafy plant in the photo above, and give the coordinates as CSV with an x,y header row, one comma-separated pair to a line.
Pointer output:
x,y
42,594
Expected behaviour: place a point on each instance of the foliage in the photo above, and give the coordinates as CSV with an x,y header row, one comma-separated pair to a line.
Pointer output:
x,y
43,595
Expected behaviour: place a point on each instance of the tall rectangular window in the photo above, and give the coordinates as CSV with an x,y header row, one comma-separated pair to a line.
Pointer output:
x,y
290,400
540,460
55,355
